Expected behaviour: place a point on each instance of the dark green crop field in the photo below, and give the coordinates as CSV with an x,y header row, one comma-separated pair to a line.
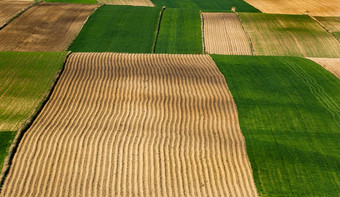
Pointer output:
x,y
211,5
289,112
26,78
180,32
118,29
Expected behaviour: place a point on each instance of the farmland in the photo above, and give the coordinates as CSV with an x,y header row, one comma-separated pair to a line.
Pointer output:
x,y
312,7
25,78
290,35
289,114
180,32
223,34
134,124
331,64
212,5
73,1
119,29
9,9
45,27
128,2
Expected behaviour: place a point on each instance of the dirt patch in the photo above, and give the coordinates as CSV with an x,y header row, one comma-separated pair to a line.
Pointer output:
x,y
135,125
312,7
223,34
147,3
331,64
45,27
9,9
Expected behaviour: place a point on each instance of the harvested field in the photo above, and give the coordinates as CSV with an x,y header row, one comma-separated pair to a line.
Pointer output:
x,y
9,9
180,32
289,35
223,34
128,2
119,29
289,114
331,64
45,27
134,125
312,7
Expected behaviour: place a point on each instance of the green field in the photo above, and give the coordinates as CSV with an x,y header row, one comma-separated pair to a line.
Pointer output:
x,y
211,5
73,1
25,79
289,113
180,32
289,35
118,29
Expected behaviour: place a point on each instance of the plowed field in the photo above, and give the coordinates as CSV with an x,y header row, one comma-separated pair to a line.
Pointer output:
x,y
45,27
8,9
313,7
134,125
331,64
128,2
223,34
289,35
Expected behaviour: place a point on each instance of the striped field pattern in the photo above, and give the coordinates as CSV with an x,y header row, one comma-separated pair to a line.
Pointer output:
x,y
135,125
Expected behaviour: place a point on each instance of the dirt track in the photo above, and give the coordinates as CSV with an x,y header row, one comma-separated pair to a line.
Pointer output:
x,y
45,27
331,64
128,2
135,125
223,34
8,9
312,7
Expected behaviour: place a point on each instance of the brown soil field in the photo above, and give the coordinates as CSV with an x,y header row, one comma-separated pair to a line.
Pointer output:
x,y
128,2
331,64
134,125
9,9
331,23
312,7
223,34
45,27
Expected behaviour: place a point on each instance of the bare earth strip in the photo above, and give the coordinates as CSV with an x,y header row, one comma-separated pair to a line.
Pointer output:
x,y
223,34
147,3
135,125
45,27
9,9
312,7
331,64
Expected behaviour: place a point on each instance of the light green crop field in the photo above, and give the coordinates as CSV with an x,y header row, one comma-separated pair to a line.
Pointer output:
x,y
73,1
289,113
180,32
211,5
26,78
118,29
289,35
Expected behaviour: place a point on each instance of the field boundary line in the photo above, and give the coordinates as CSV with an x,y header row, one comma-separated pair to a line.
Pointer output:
x,y
245,31
85,21
202,30
21,132
19,14
324,27
157,30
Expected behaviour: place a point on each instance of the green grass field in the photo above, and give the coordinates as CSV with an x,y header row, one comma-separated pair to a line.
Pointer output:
x,y
180,32
118,29
25,79
289,112
73,1
289,35
212,5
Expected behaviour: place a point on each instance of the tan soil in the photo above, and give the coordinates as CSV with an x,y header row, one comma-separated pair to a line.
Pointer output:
x,y
45,27
223,34
312,7
9,9
135,125
331,64
128,2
